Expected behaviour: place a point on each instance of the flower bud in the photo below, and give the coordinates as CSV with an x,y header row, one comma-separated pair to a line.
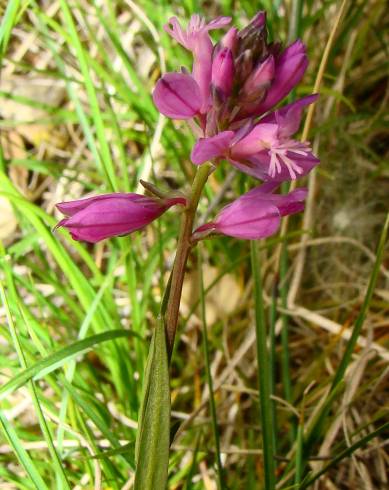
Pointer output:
x,y
223,71
255,215
244,66
289,69
257,23
108,215
254,38
258,81
230,40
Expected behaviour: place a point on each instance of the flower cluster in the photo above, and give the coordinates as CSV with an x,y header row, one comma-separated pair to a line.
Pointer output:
x,y
226,99
232,86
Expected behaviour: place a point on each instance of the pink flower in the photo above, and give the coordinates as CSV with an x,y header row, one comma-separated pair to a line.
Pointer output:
x,y
196,39
264,150
96,218
257,214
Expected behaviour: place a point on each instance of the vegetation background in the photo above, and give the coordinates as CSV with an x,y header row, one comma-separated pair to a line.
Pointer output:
x,y
76,117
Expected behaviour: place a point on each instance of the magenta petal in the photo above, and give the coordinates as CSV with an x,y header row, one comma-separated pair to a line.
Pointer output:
x,y
248,219
196,26
175,30
230,39
291,203
223,71
260,77
196,39
289,117
202,48
255,141
257,23
297,104
286,203
202,67
177,95
253,168
206,149
259,20
257,214
218,23
290,68
71,207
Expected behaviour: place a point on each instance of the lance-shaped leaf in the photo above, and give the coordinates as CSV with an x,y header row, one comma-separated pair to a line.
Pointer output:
x,y
153,437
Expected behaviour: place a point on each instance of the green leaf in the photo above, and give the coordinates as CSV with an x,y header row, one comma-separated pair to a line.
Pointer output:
x,y
21,453
153,437
57,359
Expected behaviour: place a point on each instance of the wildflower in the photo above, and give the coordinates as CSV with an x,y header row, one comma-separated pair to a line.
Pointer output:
x,y
257,214
96,218
264,150
196,39
242,76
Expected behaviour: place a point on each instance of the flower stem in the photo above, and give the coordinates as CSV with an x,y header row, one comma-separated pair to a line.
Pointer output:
x,y
183,248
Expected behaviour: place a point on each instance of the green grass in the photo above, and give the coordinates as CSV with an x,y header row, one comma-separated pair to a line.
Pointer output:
x,y
76,320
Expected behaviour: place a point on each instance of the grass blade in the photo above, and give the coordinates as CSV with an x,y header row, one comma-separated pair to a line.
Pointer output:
x,y
106,158
21,453
208,373
57,359
344,454
42,421
346,359
264,375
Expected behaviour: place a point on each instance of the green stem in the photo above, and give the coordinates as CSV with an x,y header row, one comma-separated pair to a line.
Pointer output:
x,y
285,359
272,359
2,159
299,448
263,375
183,248
208,373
